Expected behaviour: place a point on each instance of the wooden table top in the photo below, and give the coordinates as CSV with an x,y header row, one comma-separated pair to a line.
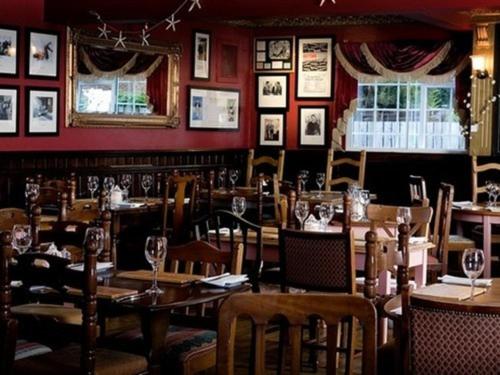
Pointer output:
x,y
478,209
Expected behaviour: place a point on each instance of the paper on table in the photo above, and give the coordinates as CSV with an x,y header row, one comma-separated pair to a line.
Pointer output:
x,y
225,280
223,231
417,240
448,279
462,204
448,291
100,266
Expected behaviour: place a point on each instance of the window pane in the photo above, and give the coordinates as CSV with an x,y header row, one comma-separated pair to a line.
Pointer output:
x,y
366,96
438,97
386,115
414,101
363,116
387,96
402,97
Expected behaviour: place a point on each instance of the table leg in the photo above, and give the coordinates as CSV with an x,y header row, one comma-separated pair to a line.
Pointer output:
x,y
384,289
154,330
487,246
460,227
115,235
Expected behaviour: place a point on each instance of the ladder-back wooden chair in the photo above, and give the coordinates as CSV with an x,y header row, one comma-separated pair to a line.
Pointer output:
x,y
12,216
296,308
252,162
418,190
332,179
484,169
84,211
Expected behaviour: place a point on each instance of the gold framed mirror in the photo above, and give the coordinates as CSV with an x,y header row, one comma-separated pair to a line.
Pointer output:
x,y
135,87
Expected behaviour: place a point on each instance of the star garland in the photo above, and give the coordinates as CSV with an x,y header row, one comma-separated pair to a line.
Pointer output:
x,y
107,31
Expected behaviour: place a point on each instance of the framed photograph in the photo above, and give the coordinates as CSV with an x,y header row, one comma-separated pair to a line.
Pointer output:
x,y
272,91
274,54
42,54
9,47
9,111
42,114
314,77
272,129
213,109
313,124
201,55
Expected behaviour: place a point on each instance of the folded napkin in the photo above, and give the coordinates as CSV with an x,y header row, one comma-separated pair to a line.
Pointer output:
x,y
448,279
226,280
462,204
172,200
223,231
492,209
100,266
417,240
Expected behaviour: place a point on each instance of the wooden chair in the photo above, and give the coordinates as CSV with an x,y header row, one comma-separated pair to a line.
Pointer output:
x,y
296,309
418,190
253,162
480,169
332,179
86,212
282,194
85,358
189,350
12,216
321,262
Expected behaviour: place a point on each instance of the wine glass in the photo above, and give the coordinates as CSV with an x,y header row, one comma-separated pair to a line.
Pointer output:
x,y
301,212
21,238
403,215
239,206
496,191
222,178
326,212
96,234
126,181
147,183
32,190
109,183
233,176
92,185
490,189
304,175
320,181
364,199
473,266
155,251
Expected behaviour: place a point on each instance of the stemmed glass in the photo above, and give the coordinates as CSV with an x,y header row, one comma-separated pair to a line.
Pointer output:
x,y
21,238
222,178
239,206
403,215
364,199
473,266
326,212
92,185
304,175
32,190
95,234
301,212
147,183
320,181
109,183
155,251
233,176
490,189
126,181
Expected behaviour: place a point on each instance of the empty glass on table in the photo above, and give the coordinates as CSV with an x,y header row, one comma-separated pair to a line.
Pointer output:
x,y
239,206
21,238
304,176
155,251
320,181
222,178
302,212
147,183
233,177
95,234
32,189
126,182
473,266
92,185
326,213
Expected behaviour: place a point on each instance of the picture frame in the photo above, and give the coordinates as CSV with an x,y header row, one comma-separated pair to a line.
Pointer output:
x,y
42,54
313,121
213,109
272,91
274,54
9,111
314,76
272,129
9,51
201,55
42,111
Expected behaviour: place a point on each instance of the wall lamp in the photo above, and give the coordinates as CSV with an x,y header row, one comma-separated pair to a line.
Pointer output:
x,y
479,66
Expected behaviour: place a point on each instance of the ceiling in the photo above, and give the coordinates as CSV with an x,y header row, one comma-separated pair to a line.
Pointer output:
x,y
452,14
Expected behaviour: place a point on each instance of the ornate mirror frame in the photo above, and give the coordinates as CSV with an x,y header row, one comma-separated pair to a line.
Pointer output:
x,y
76,119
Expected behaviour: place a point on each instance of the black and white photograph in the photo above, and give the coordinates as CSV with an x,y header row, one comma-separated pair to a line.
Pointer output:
x,y
314,68
42,54
272,91
274,54
9,47
9,105
201,55
272,129
313,122
42,111
213,109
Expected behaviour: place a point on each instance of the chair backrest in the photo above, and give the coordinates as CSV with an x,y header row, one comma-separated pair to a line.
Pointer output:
x,y
279,164
476,170
319,261
281,192
442,223
11,216
332,163
418,189
63,185
385,217
296,308
8,325
49,197
85,211
182,187
250,266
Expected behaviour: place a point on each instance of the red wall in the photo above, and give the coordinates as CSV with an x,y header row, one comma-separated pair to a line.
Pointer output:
x,y
29,14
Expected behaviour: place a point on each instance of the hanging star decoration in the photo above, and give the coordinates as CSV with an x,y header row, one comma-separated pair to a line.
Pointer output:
x,y
104,31
194,3
145,36
120,40
171,21
323,2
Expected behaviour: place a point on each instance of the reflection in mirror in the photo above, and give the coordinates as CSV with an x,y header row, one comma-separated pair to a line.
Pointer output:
x,y
138,86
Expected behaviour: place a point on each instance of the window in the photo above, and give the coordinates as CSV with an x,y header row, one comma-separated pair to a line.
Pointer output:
x,y
112,96
405,117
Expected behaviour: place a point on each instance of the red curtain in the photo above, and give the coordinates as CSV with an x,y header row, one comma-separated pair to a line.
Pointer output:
x,y
157,88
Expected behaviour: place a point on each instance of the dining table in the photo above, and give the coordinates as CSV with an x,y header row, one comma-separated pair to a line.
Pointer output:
x,y
478,214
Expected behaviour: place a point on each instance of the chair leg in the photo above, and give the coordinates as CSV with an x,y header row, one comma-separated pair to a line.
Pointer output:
x,y
313,335
351,335
283,342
